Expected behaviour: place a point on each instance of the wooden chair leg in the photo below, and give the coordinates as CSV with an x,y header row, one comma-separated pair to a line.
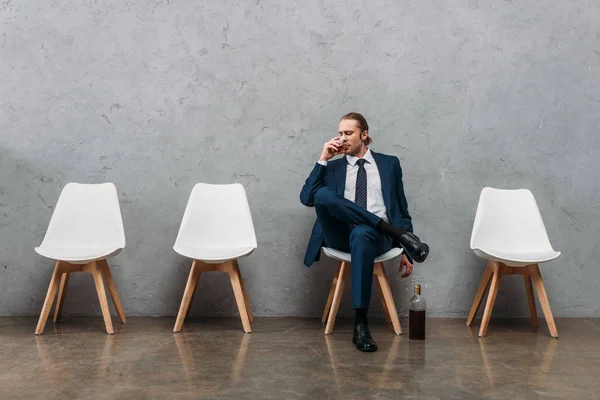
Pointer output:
x,y
331,292
388,298
112,289
485,280
543,298
190,287
96,270
189,310
337,298
386,310
489,305
531,300
236,283
50,296
62,291
246,301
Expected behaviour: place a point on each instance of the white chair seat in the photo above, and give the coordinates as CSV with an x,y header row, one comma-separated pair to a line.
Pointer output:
x,y
86,225
214,254
217,225
342,256
78,255
517,259
507,226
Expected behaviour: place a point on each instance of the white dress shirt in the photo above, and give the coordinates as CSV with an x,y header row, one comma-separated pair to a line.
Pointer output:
x,y
375,203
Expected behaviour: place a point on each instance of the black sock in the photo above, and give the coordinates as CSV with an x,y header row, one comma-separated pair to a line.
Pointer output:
x,y
390,230
360,317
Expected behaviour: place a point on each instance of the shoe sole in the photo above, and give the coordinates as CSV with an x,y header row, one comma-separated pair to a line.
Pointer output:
x,y
420,260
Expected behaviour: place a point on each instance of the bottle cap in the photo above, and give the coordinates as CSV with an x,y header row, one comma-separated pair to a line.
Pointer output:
x,y
418,289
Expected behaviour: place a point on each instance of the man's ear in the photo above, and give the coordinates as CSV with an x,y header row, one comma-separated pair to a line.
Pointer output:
x,y
364,135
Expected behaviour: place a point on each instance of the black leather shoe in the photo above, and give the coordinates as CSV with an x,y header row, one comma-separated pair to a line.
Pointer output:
x,y
362,338
417,249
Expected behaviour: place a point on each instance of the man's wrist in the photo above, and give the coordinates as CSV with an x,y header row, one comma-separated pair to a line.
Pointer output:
x,y
322,162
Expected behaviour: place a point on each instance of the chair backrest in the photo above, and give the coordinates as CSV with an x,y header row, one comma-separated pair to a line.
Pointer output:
x,y
217,216
509,220
86,215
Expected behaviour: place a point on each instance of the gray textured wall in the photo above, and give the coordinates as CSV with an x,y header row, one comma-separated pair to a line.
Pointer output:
x,y
158,95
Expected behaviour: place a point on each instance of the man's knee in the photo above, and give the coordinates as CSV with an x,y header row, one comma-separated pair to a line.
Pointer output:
x,y
323,195
363,233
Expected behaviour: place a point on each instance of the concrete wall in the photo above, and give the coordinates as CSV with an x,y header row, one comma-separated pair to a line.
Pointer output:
x,y
158,95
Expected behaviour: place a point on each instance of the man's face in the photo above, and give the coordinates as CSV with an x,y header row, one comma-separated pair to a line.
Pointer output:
x,y
350,132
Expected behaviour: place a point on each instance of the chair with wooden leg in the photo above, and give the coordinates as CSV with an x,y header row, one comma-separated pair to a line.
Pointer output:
x,y
509,233
339,281
85,230
216,231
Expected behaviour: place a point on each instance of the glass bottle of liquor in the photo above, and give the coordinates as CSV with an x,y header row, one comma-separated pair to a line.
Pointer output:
x,y
416,315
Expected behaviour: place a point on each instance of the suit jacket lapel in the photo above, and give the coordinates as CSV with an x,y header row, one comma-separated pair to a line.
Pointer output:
x,y
340,176
384,174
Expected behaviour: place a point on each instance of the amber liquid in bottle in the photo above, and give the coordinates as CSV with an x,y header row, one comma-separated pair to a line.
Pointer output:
x,y
416,316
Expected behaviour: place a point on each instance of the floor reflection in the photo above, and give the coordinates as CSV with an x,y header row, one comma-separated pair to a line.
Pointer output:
x,y
51,368
383,375
187,350
539,361
293,357
55,352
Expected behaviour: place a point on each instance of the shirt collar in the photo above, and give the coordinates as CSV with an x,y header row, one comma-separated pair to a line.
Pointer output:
x,y
368,158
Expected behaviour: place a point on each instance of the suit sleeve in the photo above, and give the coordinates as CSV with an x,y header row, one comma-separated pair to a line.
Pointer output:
x,y
406,219
314,182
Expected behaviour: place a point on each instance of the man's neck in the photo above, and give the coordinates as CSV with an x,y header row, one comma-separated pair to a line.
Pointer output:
x,y
362,152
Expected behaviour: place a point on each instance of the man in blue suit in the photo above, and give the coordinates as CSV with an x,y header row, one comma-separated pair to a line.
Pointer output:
x,y
361,209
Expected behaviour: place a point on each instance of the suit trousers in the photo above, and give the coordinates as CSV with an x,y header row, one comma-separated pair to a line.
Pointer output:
x,y
350,228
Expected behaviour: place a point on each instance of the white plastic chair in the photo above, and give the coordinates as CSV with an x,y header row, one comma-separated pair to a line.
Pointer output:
x,y
337,287
509,232
216,230
86,228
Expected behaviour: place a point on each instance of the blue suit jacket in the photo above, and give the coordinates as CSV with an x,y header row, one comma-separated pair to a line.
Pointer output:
x,y
334,176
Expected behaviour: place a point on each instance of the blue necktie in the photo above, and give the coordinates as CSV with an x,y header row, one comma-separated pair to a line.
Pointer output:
x,y
360,196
